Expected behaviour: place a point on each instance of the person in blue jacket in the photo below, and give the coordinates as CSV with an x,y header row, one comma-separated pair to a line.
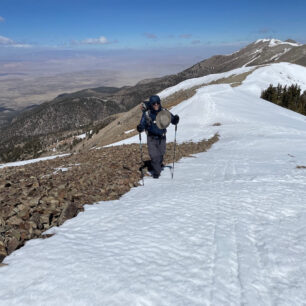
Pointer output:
x,y
156,137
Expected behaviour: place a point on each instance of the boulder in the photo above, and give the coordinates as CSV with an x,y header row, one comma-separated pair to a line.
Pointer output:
x,y
3,252
69,211
12,245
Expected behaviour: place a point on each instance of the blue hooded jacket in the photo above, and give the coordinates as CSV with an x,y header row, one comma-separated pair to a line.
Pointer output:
x,y
148,121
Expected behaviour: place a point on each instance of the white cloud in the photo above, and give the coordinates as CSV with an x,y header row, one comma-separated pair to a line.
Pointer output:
x,y
2,19
7,42
102,40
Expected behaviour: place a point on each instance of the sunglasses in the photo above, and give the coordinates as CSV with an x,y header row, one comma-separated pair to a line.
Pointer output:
x,y
156,103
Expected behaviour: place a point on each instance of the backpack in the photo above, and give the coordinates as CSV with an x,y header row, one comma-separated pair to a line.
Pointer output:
x,y
145,105
148,117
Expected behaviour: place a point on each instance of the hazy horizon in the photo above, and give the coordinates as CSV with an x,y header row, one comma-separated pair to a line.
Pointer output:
x,y
50,47
32,77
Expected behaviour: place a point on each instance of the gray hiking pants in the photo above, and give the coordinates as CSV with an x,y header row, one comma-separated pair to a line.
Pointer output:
x,y
157,149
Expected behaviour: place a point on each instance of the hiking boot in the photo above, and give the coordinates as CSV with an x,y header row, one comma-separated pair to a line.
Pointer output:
x,y
156,176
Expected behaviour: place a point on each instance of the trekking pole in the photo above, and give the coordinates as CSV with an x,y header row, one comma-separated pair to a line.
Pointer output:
x,y
174,147
141,156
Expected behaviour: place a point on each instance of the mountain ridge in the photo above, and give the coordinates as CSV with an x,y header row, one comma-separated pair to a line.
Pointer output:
x,y
70,113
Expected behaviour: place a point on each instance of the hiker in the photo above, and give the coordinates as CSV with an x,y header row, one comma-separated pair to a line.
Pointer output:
x,y
154,121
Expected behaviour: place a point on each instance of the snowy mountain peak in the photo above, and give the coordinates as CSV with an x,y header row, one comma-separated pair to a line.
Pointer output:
x,y
275,42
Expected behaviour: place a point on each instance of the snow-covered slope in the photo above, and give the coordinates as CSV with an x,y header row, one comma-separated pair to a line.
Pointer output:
x,y
229,229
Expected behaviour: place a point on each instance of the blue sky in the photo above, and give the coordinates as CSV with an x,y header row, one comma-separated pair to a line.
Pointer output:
x,y
93,24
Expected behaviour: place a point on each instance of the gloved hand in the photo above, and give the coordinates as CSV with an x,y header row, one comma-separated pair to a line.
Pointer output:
x,y
139,128
176,119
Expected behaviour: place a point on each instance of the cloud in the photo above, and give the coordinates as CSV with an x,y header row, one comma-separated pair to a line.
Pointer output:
x,y
185,36
7,42
102,40
150,35
2,19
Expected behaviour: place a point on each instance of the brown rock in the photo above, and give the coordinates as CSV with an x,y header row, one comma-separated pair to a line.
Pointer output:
x,y
3,252
14,233
45,219
25,226
70,210
3,229
24,214
36,219
54,202
12,245
33,202
14,221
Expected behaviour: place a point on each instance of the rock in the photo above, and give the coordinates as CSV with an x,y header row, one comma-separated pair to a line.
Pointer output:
x,y
14,221
45,219
24,214
33,202
8,184
31,192
54,203
3,252
70,210
12,245
25,226
15,233
36,219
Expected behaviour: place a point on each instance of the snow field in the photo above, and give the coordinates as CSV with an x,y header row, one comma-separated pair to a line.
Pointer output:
x,y
229,229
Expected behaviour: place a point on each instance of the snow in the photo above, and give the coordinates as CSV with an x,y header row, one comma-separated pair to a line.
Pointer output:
x,y
275,42
252,60
82,136
30,161
201,81
61,169
129,131
277,56
229,229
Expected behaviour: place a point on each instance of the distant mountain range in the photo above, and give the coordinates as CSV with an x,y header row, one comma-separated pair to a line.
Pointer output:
x,y
71,113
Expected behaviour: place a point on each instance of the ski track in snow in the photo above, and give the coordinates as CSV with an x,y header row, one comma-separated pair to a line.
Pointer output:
x,y
229,229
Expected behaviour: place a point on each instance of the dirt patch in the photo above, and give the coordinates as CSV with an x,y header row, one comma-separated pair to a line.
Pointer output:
x,y
36,197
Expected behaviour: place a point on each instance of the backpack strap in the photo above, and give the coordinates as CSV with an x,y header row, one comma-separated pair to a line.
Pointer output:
x,y
148,118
